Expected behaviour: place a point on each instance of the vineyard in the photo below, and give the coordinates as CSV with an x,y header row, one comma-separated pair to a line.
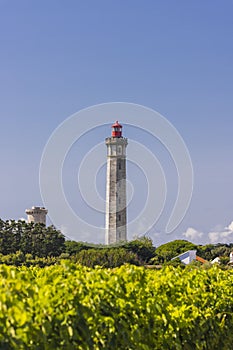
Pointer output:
x,y
68,306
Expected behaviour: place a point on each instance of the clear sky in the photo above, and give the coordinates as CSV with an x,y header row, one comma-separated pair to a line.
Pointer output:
x,y
175,57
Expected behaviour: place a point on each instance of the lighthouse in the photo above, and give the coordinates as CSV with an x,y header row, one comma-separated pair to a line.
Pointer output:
x,y
116,211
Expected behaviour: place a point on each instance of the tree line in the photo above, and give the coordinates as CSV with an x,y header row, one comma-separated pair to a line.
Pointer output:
x,y
35,239
29,244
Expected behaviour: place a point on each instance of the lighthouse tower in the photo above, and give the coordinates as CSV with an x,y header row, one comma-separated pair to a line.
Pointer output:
x,y
116,216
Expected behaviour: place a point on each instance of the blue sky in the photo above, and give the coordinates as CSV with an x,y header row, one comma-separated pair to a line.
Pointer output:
x,y
58,57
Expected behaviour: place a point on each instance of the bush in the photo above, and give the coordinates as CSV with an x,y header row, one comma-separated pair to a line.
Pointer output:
x,y
108,257
72,307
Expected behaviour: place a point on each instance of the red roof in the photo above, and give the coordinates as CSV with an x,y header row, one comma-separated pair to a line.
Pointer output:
x,y
116,124
203,261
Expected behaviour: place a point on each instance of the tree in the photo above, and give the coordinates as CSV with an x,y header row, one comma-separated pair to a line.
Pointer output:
x,y
212,251
167,251
143,247
42,241
35,239
9,236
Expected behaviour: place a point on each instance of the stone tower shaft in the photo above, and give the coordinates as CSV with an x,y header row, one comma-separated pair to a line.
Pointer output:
x,y
116,211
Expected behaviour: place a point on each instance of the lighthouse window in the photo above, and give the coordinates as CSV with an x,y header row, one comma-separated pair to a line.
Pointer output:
x,y
119,217
119,166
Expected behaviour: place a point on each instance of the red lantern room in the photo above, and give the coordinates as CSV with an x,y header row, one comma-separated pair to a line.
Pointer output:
x,y
116,129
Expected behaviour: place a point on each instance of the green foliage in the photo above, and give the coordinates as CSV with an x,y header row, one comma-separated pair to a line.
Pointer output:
x,y
21,259
170,250
211,251
18,239
35,239
224,260
112,257
73,247
135,252
175,263
72,307
143,247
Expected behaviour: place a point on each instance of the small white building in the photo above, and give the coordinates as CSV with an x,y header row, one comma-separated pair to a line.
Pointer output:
x,y
216,260
187,257
231,258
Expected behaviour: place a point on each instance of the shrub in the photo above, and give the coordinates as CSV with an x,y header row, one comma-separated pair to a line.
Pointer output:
x,y
73,307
